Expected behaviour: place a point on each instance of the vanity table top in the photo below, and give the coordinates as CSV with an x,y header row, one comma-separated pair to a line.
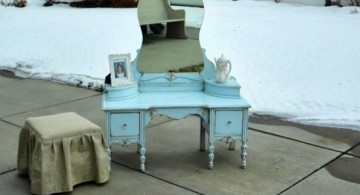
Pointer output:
x,y
147,100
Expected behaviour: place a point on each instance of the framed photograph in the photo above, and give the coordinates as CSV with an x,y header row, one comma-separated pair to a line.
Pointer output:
x,y
120,69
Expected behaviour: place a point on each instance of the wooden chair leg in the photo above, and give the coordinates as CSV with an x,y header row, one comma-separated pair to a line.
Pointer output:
x,y
176,30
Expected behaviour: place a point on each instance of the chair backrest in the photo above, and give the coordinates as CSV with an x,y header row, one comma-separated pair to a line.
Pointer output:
x,y
157,11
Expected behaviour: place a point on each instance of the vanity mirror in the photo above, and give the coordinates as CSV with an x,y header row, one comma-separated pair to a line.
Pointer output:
x,y
168,44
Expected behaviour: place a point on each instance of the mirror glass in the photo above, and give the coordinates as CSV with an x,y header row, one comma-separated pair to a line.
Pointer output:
x,y
170,46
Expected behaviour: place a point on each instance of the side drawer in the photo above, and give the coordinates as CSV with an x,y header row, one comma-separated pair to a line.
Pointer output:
x,y
228,122
125,124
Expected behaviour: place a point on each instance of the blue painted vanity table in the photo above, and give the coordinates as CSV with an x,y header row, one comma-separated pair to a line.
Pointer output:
x,y
130,108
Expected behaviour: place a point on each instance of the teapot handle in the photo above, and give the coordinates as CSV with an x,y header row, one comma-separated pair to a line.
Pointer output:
x,y
227,75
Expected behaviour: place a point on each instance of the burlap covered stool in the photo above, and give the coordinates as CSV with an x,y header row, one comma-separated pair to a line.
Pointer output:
x,y
60,151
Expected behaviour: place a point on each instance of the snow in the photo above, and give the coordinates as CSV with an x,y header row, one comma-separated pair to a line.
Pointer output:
x,y
292,61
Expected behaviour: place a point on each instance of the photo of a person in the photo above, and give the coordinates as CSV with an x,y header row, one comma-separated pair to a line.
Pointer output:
x,y
120,71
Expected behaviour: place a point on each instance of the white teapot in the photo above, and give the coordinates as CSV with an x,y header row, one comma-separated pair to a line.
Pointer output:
x,y
223,68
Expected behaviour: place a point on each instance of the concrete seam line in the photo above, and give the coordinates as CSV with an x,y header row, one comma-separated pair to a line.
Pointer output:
x,y
158,178
318,169
8,171
48,106
292,139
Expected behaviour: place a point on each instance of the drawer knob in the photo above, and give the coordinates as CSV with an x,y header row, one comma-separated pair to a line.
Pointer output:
x,y
125,125
229,122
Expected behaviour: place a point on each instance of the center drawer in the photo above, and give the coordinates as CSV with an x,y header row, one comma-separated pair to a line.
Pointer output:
x,y
125,124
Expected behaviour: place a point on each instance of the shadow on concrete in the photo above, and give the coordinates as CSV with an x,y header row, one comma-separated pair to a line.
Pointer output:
x,y
346,168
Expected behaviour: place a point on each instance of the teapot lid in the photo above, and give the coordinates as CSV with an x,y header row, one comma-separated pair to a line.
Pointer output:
x,y
222,59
